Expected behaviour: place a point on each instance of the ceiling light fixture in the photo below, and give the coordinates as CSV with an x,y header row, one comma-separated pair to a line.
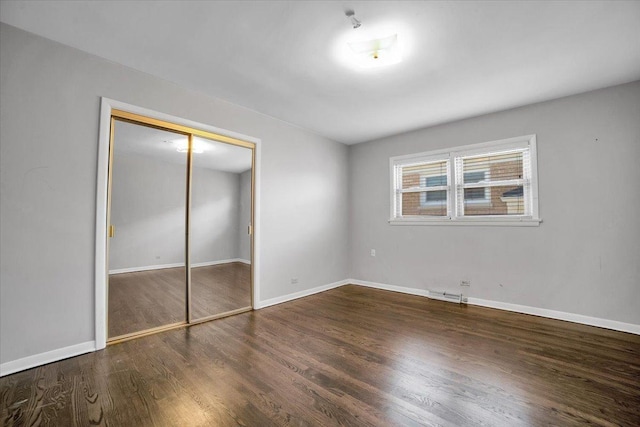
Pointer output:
x,y
368,49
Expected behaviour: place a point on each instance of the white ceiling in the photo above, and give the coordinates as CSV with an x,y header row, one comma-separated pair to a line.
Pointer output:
x,y
281,58
163,145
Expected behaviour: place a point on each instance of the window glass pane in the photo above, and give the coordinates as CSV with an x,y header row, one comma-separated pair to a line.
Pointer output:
x,y
502,200
435,181
436,196
470,177
499,166
475,193
424,175
413,204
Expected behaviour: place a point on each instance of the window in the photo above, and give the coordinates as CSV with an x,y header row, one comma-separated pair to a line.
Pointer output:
x,y
493,183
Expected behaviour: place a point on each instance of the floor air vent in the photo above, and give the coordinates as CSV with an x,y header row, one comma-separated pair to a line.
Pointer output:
x,y
446,296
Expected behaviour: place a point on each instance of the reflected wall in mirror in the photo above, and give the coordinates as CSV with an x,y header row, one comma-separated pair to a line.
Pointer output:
x,y
220,255
147,276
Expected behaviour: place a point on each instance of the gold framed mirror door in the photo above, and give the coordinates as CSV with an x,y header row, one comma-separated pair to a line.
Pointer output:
x,y
220,216
179,215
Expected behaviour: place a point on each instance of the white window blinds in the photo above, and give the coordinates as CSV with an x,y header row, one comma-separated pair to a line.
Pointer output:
x,y
500,180
422,188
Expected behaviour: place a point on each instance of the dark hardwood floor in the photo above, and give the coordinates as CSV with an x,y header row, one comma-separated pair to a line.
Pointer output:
x,y
219,288
148,299
349,356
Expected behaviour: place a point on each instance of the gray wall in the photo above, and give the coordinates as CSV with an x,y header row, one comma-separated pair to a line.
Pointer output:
x,y
244,240
49,114
147,208
582,259
215,215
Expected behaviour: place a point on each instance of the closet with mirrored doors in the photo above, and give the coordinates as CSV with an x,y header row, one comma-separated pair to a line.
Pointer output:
x,y
180,213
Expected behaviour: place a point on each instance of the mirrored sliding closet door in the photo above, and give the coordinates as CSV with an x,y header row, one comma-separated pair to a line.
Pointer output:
x,y
220,217
147,276
180,226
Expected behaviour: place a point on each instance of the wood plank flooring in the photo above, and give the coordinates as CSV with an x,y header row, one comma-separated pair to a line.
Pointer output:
x,y
219,288
348,356
148,299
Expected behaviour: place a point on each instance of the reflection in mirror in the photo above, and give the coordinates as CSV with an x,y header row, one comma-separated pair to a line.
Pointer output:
x,y
147,278
220,216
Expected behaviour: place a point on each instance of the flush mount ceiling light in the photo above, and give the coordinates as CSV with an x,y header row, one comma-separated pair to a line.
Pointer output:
x,y
370,46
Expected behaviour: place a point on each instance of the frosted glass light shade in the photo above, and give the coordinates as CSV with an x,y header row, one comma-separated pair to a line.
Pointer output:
x,y
377,52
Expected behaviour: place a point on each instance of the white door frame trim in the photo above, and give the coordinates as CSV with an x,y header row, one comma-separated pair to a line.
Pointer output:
x,y
107,105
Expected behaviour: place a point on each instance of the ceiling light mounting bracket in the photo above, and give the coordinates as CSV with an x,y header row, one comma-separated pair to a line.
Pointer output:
x,y
352,18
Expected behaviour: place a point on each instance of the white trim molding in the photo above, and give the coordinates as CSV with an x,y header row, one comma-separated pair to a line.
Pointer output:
x,y
558,315
146,268
46,357
300,294
516,308
393,288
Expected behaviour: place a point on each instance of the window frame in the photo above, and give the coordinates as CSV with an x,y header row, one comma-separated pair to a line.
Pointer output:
x,y
451,155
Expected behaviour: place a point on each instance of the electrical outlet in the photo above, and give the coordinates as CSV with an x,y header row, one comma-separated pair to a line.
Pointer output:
x,y
373,252
294,280
465,283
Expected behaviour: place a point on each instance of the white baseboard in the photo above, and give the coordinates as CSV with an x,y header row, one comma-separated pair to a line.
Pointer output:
x,y
145,268
300,294
394,288
222,261
524,309
559,315
46,357
179,264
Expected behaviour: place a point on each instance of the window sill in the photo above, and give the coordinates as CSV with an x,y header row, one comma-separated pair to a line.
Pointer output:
x,y
500,222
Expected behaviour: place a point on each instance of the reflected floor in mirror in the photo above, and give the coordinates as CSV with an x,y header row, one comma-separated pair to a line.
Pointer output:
x,y
220,288
148,299
351,356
